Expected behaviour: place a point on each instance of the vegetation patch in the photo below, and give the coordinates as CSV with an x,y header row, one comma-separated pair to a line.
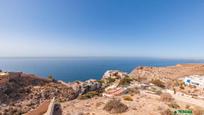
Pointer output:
x,y
110,80
159,92
115,106
101,81
174,105
127,98
125,81
158,83
89,95
133,91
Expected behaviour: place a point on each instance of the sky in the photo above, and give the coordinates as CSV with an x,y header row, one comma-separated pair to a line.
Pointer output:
x,y
125,28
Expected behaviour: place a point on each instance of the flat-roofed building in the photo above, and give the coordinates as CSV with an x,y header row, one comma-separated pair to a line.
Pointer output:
x,y
195,80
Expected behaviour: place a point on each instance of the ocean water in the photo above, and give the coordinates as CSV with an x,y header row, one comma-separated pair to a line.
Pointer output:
x,y
75,68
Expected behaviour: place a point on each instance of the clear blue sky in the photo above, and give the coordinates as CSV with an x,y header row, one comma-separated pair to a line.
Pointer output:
x,y
144,28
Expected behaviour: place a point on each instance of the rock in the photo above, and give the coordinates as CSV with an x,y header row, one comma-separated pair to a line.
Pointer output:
x,y
27,91
115,74
90,85
25,109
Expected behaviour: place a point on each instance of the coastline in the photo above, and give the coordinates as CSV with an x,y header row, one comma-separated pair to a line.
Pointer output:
x,y
71,69
113,83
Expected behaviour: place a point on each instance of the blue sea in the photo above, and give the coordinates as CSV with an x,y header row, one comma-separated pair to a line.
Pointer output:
x,y
82,68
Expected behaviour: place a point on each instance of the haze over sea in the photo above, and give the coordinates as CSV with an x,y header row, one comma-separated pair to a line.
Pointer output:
x,y
82,68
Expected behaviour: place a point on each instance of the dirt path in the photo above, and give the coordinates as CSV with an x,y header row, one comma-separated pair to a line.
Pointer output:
x,y
187,99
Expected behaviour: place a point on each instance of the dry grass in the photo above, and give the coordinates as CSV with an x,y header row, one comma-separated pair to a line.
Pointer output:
x,y
174,105
127,98
133,91
187,106
166,97
125,81
166,112
198,111
89,95
182,87
115,106
99,104
158,83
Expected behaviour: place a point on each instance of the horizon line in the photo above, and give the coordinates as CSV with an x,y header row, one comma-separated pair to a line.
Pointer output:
x,y
139,57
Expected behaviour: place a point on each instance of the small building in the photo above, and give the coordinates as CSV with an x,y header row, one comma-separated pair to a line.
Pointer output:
x,y
195,80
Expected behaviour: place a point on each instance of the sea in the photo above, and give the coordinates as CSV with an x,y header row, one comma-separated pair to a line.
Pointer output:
x,y
82,68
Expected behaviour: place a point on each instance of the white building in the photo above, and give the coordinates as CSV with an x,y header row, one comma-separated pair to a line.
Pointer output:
x,y
195,80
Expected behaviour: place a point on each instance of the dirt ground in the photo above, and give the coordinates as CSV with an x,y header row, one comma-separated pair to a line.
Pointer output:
x,y
142,104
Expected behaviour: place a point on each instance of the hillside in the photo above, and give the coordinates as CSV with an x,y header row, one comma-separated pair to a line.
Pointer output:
x,y
171,72
160,89
20,92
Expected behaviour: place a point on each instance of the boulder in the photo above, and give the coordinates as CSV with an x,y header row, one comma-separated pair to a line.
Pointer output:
x,y
90,85
115,74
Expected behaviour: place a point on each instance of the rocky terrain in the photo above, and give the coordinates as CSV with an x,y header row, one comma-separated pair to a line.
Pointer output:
x,y
170,72
20,92
144,91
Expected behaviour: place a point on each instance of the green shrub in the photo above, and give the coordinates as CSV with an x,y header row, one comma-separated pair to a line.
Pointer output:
x,y
89,95
51,78
101,81
125,81
115,106
110,80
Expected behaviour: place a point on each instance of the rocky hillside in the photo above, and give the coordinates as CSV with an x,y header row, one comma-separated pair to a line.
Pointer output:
x,y
20,92
171,72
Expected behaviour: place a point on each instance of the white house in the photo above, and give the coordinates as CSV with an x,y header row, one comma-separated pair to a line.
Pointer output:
x,y
195,80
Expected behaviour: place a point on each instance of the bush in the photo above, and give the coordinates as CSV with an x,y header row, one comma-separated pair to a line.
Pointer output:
x,y
110,80
51,78
166,112
174,105
166,97
115,106
127,98
181,87
159,92
133,91
125,81
89,95
187,107
158,83
140,79
101,81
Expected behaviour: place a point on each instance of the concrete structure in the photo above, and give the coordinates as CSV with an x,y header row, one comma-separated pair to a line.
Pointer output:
x,y
4,73
195,80
51,106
